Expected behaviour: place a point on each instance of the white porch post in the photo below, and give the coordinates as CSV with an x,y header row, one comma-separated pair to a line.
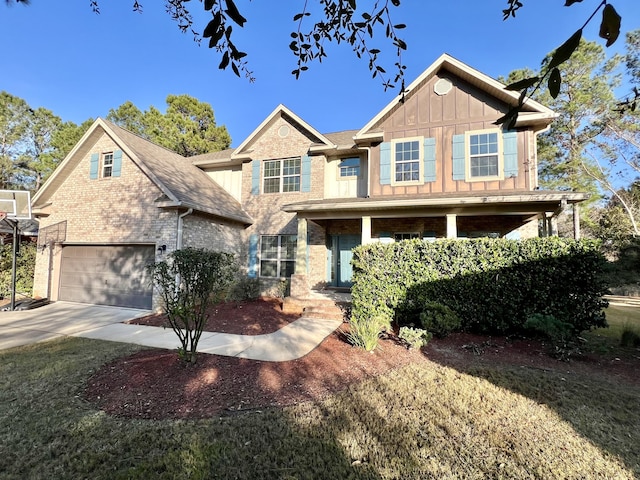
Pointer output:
x,y
576,221
366,230
452,227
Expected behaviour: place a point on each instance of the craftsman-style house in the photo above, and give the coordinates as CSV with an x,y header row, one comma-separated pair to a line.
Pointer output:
x,y
291,202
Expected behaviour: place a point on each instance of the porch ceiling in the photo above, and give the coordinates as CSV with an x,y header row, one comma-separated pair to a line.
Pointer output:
x,y
516,203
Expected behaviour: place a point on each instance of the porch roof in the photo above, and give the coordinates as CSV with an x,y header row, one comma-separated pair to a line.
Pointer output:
x,y
465,204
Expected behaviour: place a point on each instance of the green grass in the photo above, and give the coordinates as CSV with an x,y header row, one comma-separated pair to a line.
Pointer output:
x,y
422,421
621,319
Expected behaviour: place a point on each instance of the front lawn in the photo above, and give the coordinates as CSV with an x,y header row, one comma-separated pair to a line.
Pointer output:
x,y
429,419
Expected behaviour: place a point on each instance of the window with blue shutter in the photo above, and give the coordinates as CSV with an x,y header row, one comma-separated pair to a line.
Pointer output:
x,y
385,163
253,256
305,180
93,169
459,153
255,177
429,159
510,145
117,163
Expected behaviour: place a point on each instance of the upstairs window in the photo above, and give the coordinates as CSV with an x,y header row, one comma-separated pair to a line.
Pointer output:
x,y
278,255
282,175
107,165
484,154
398,237
350,167
407,161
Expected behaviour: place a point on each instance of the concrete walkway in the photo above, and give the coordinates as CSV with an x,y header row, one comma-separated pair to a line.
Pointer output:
x,y
105,323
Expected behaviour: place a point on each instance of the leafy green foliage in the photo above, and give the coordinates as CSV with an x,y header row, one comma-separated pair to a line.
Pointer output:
x,y
630,337
491,285
365,331
188,127
439,319
549,326
26,262
189,281
550,72
414,338
244,288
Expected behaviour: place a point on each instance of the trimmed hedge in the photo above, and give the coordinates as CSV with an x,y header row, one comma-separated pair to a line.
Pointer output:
x,y
493,285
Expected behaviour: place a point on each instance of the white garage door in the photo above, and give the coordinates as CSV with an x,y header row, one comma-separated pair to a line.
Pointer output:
x,y
107,275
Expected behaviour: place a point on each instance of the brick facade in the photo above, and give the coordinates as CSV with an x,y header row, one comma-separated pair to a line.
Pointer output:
x,y
118,210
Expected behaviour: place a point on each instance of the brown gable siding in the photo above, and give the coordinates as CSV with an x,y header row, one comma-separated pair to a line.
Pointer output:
x,y
426,114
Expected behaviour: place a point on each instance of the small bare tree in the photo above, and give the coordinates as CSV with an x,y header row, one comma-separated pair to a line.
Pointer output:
x,y
189,282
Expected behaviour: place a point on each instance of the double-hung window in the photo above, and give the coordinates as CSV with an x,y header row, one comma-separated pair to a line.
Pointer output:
x,y
484,154
282,175
399,236
278,255
407,155
107,165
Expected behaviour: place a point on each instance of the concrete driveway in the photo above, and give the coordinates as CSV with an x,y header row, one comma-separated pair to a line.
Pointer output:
x,y
57,320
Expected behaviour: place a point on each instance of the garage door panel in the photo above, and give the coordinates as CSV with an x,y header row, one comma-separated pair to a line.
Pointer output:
x,y
107,275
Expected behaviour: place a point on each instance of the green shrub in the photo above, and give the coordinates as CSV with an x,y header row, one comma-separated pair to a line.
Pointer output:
x,y
365,332
550,327
439,319
492,285
189,282
414,337
25,266
630,337
244,288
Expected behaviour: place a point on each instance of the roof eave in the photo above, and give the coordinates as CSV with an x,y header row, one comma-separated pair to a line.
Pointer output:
x,y
569,197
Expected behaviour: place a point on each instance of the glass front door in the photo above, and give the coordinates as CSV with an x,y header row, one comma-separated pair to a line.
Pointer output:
x,y
340,256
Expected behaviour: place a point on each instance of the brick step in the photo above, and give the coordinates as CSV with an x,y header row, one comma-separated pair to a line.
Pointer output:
x,y
324,311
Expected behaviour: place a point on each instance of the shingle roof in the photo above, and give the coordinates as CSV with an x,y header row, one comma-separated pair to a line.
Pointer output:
x,y
342,139
180,179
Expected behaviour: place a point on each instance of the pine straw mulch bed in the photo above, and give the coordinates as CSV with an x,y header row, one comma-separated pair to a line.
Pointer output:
x,y
156,384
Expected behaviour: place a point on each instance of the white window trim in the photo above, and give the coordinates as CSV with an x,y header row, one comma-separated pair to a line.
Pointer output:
x,y
282,175
420,180
350,177
467,156
103,166
279,257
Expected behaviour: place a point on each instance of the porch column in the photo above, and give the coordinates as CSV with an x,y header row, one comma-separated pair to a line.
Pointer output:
x,y
301,250
452,227
366,230
576,221
553,226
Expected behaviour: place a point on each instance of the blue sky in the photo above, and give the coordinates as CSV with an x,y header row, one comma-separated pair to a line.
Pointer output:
x,y
61,56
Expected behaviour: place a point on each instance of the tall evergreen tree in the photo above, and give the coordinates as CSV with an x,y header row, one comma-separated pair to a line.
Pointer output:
x,y
188,127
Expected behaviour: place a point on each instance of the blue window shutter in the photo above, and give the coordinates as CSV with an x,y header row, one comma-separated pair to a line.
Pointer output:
x,y
429,159
117,163
458,157
385,163
510,144
255,177
305,180
253,256
93,170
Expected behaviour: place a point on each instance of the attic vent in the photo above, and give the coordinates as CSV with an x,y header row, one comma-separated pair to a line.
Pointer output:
x,y
442,86
283,131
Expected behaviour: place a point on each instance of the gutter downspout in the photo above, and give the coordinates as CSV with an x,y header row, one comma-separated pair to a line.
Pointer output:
x,y
179,241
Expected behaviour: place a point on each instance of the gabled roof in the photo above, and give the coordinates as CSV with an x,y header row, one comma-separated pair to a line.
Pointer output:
x,y
280,111
533,113
182,184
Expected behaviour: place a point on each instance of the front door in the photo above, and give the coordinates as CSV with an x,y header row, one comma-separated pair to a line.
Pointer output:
x,y
341,254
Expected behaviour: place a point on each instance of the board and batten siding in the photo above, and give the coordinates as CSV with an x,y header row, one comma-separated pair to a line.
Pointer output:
x,y
465,108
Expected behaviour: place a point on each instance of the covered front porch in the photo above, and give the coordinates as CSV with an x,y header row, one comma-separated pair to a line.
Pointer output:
x,y
328,230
